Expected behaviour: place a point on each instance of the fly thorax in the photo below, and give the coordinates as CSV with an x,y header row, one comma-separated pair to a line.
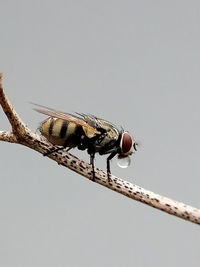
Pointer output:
x,y
89,132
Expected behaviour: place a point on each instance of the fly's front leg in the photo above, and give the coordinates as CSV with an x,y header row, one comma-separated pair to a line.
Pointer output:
x,y
108,164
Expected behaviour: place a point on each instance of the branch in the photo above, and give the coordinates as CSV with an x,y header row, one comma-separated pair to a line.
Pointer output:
x,y
21,134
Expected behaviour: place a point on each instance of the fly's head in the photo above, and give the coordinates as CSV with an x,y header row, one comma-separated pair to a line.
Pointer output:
x,y
127,145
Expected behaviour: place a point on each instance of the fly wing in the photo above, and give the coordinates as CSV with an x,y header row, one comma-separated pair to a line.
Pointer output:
x,y
88,129
101,125
90,119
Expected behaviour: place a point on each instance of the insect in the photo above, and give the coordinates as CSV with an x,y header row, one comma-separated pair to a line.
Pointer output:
x,y
86,132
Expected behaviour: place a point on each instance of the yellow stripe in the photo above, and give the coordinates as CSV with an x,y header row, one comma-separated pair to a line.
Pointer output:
x,y
70,129
56,127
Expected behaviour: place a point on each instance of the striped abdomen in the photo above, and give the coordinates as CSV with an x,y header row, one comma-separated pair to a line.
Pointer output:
x,y
61,133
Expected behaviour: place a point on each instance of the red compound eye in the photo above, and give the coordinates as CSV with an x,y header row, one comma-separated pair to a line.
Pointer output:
x,y
126,143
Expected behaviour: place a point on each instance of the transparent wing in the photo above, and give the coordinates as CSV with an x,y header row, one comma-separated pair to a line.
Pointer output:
x,y
101,124
66,117
97,122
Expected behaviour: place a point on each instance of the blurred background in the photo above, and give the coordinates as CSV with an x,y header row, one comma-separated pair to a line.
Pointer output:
x,y
134,63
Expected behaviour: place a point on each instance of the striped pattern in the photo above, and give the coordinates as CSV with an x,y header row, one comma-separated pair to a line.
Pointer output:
x,y
61,133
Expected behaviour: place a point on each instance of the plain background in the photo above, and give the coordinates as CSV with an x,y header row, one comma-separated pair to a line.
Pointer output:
x,y
134,63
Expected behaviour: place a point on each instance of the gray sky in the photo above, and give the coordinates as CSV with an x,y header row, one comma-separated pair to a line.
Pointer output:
x,y
134,63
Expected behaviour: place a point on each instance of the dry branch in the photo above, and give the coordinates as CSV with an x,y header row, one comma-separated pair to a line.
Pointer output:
x,y
21,134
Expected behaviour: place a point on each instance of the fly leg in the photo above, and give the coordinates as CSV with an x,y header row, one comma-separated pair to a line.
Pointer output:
x,y
56,150
108,164
92,163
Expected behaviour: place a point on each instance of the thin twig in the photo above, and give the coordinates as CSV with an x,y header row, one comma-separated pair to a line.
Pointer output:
x,y
21,134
